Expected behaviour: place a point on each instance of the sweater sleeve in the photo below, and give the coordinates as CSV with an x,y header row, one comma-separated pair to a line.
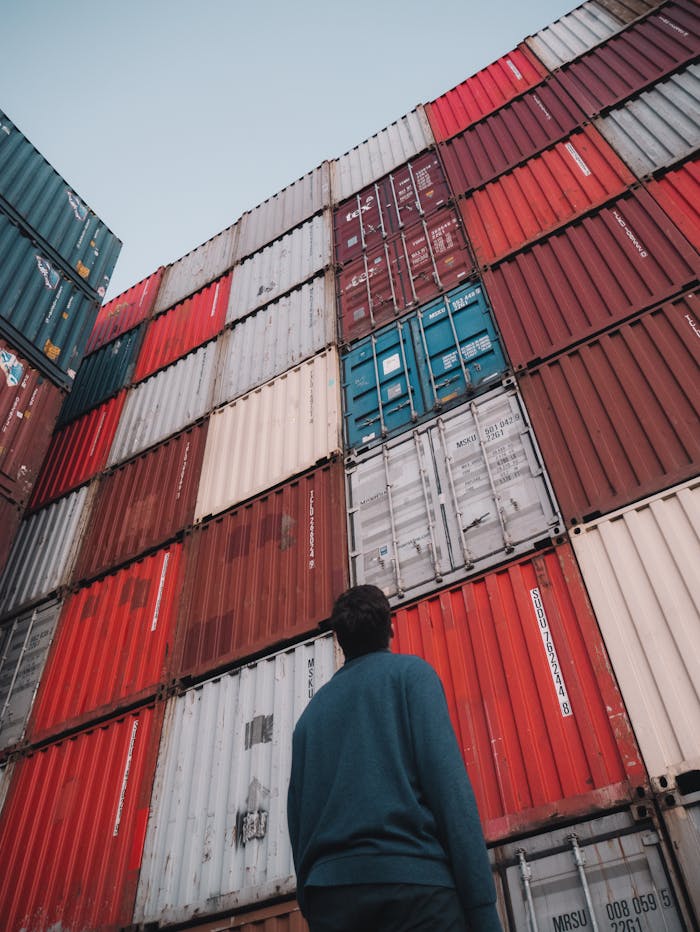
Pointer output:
x,y
445,785
293,817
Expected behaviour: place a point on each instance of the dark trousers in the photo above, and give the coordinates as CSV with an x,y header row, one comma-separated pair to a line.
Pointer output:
x,y
396,907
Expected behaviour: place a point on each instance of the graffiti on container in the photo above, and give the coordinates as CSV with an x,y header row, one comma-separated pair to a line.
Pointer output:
x,y
251,823
258,731
11,367
312,532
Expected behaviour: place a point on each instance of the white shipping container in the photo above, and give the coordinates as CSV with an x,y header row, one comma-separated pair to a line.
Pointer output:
x,y
276,338
281,266
573,34
217,834
283,211
640,566
166,403
271,434
24,644
454,497
197,268
380,154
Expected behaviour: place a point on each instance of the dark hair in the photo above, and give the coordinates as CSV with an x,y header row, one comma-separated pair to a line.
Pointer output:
x,y
361,619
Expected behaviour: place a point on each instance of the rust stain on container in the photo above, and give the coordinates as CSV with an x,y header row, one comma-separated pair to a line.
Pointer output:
x,y
127,310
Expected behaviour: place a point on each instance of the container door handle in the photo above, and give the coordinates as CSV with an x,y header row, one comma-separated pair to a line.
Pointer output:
x,y
466,553
507,540
426,498
580,859
397,566
525,876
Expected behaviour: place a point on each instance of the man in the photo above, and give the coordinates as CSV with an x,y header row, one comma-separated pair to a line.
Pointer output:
x,y
384,828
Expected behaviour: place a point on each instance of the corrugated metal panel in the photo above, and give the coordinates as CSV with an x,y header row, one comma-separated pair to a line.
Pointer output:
x,y
29,406
78,452
24,644
614,871
280,267
484,92
276,338
587,277
263,573
681,817
618,417
271,434
217,837
573,34
166,403
408,270
463,493
119,632
279,917
428,361
102,375
196,269
660,126
184,327
533,701
678,192
72,854
6,771
642,53
388,206
510,136
556,186
44,551
143,503
640,567
127,310
10,517
628,10
285,210
380,154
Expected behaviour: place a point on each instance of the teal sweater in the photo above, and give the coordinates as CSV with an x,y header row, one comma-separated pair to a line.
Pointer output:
x,y
379,792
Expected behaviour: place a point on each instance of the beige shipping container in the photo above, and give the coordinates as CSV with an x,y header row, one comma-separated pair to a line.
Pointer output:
x,y
271,434
640,565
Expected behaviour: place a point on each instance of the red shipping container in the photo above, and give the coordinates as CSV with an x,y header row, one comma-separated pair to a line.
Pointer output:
x,y
484,92
10,518
533,701
143,503
509,136
409,270
119,633
125,311
592,274
73,827
394,203
29,406
573,177
618,418
263,573
678,192
183,328
639,55
78,451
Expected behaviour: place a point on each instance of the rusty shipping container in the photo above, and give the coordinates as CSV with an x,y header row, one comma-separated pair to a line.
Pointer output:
x,y
678,193
126,311
143,503
618,417
73,826
533,700
262,573
573,177
587,277
119,633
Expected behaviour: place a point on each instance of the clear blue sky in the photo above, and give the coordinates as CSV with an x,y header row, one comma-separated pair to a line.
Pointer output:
x,y
173,117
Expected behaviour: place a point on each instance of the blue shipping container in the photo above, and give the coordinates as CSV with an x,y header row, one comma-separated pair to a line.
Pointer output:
x,y
430,360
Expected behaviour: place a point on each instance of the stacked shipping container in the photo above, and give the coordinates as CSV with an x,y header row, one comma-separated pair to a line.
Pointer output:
x,y
511,384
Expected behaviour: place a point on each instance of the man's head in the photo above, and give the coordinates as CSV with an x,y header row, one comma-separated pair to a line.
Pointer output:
x,y
361,619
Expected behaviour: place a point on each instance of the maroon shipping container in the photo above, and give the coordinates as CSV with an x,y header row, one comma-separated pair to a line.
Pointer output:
x,y
265,572
10,518
533,701
143,503
29,406
573,177
592,274
637,56
392,204
125,311
509,136
73,827
678,192
618,418
484,92
405,272
78,452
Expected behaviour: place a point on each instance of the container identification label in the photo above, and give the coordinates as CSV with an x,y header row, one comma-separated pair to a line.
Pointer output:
x,y
577,158
161,586
391,364
554,667
514,69
125,778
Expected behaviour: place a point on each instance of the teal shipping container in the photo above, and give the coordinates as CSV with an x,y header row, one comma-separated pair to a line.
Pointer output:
x,y
430,360
35,196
